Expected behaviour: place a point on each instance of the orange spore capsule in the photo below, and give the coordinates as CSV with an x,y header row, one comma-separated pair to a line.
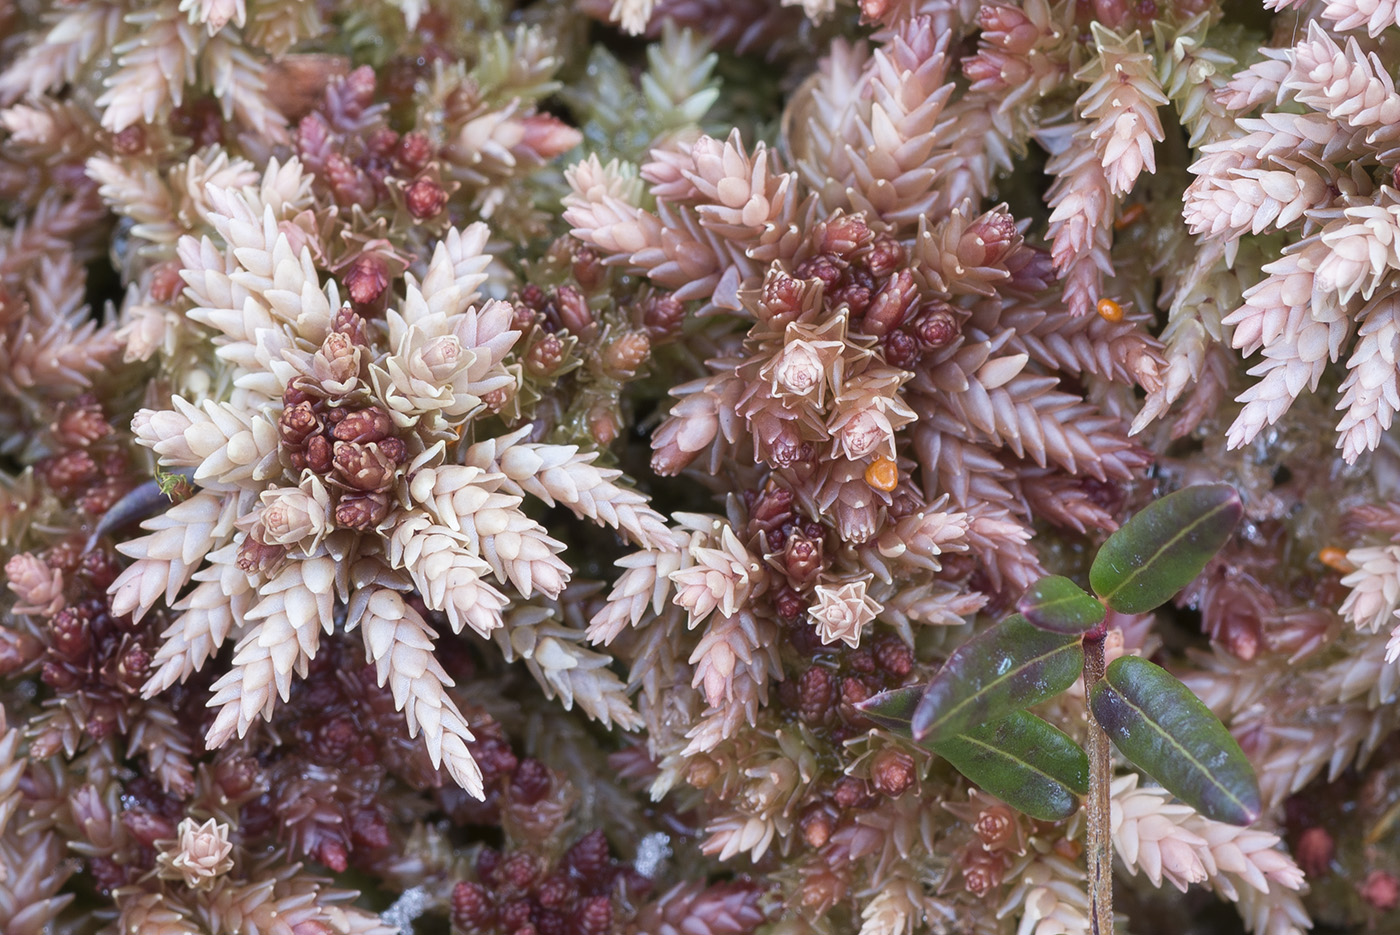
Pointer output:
x,y
882,475
1110,310
1335,559
1130,216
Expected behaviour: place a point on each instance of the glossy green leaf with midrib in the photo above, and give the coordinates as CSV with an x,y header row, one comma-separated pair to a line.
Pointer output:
x,y
1164,547
1009,667
1169,733
1057,604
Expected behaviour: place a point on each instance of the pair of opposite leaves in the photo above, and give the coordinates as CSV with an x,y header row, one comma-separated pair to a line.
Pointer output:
x,y
973,711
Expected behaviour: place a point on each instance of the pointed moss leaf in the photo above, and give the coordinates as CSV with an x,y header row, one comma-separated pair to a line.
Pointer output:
x,y
1172,736
1027,763
1158,551
1061,606
1009,667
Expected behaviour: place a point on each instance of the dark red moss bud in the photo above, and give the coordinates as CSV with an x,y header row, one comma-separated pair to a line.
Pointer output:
x,y
70,633
367,425
886,255
854,691
70,471
662,316
594,916
816,824
348,184
361,511
802,559
318,454
130,141
896,658
294,425
816,691
901,349
849,792
472,908
531,782
545,356
892,772
367,281
843,236
415,151
588,269
936,327
788,603
556,891
589,856
822,267
425,199
518,870
574,313
488,861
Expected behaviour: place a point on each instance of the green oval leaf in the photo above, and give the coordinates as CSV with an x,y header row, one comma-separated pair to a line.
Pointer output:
x,y
1170,734
1059,605
1009,667
1157,552
1026,762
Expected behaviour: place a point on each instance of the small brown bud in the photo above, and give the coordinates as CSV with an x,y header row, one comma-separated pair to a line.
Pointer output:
x,y
545,356
363,467
80,423
318,454
822,267
574,313
663,315
885,256
371,424
892,772
982,870
816,692
997,828
415,150
472,907
588,268
849,792
366,282
936,328
361,511
348,184
70,633
625,355
802,559
844,235
130,141
816,824
901,350
894,656
701,772
853,691
255,556
1314,852
890,307
1381,890
382,141
425,199
603,424
294,425
166,282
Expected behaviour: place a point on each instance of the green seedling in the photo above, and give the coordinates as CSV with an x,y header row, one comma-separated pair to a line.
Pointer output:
x,y
973,712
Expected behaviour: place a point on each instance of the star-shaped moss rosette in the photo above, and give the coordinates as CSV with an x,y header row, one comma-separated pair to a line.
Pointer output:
x,y
336,473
